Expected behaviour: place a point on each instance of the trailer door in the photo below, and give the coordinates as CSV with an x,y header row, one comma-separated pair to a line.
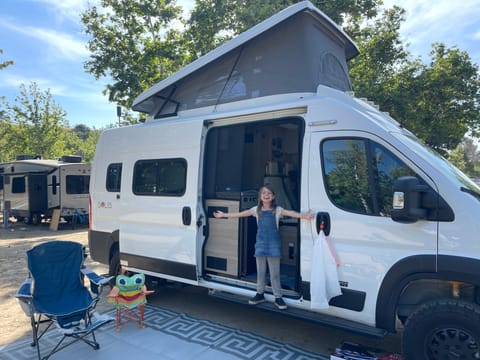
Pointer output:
x,y
37,193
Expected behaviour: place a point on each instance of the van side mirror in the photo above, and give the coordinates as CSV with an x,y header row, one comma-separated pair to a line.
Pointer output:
x,y
407,194
413,201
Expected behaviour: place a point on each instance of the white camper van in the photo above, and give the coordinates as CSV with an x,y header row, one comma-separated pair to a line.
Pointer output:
x,y
274,105
33,188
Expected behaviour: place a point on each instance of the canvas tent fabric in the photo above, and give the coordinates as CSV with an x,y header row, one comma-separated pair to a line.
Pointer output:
x,y
294,51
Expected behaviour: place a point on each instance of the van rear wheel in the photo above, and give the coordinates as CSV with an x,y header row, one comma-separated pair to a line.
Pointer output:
x,y
114,266
443,329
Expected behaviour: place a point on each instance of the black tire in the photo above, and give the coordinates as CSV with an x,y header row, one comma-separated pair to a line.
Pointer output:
x,y
114,266
443,329
26,220
36,219
154,283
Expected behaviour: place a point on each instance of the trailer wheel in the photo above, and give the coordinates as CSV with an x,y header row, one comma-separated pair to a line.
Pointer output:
x,y
443,329
36,219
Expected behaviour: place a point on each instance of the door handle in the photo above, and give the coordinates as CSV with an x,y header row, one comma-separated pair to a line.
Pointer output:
x,y
186,215
323,218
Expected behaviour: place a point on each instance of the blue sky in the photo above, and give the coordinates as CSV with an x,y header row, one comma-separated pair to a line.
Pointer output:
x,y
44,38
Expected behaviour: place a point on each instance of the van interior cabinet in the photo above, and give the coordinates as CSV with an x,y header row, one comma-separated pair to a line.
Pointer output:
x,y
221,249
288,237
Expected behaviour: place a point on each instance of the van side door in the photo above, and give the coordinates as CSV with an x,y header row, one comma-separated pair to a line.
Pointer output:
x,y
158,205
350,178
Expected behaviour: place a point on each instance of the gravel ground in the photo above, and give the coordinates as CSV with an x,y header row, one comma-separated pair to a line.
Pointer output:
x,y
14,242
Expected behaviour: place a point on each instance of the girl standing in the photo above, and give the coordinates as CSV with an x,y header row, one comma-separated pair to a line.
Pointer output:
x,y
267,245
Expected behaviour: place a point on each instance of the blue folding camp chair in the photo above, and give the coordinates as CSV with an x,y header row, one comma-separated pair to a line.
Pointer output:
x,y
54,294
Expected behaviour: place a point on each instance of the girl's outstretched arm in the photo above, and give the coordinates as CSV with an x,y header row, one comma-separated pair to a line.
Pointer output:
x,y
220,214
306,215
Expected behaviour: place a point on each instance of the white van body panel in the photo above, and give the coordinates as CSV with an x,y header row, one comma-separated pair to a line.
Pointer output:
x,y
150,224
368,247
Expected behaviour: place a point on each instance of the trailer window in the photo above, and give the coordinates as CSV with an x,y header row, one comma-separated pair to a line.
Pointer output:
x,y
18,185
114,177
160,177
77,184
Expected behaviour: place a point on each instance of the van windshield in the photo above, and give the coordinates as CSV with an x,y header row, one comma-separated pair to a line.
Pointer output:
x,y
464,182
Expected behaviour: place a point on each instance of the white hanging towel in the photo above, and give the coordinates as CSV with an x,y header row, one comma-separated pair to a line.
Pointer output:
x,y
324,278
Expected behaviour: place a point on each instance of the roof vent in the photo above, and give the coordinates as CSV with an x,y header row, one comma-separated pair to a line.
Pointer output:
x,y
71,158
28,157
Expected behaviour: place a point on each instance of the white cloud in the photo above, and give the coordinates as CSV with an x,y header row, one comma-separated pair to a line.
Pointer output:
x,y
62,44
69,10
427,22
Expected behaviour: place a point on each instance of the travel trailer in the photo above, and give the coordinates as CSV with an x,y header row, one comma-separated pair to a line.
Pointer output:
x,y
275,105
33,188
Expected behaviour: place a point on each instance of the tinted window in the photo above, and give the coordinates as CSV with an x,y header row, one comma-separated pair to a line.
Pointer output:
x,y
161,177
18,185
359,175
77,184
114,177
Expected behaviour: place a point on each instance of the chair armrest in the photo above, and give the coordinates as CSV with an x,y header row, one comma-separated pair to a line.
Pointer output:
x,y
25,290
96,281
25,296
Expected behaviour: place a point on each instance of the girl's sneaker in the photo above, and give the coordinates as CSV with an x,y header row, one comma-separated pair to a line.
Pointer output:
x,y
257,299
280,303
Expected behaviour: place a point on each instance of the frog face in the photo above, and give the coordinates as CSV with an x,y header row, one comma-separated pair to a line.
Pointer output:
x,y
129,283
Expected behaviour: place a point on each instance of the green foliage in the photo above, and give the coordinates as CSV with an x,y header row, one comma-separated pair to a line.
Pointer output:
x,y
457,158
466,157
438,102
444,99
212,22
36,125
133,42
4,64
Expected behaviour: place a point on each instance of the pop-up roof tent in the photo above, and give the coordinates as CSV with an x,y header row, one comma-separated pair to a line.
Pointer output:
x,y
293,51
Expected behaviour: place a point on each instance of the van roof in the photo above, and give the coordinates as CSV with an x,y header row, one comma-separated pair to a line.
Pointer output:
x,y
293,51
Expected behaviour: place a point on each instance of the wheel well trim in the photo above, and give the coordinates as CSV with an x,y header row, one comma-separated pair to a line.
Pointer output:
x,y
406,270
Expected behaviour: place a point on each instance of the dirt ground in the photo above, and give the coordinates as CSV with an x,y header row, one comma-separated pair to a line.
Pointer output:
x,y
14,242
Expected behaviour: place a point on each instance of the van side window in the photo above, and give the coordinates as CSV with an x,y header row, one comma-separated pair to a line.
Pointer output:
x,y
18,185
359,175
77,184
160,177
114,177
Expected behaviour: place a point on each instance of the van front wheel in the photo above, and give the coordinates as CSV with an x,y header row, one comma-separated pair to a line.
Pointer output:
x,y
443,329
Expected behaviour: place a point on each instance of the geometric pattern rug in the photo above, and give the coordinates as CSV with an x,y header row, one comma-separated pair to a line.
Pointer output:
x,y
167,335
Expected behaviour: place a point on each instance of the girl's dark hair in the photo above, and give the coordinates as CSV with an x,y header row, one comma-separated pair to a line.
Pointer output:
x,y
260,203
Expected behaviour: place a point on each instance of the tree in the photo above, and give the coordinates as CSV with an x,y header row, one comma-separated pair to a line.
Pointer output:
x,y
381,56
445,99
439,102
34,124
135,43
212,22
4,64
466,157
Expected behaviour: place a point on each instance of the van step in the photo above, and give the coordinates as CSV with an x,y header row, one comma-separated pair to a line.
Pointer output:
x,y
314,317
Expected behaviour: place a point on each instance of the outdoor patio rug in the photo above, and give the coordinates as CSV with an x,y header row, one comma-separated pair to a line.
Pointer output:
x,y
167,335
